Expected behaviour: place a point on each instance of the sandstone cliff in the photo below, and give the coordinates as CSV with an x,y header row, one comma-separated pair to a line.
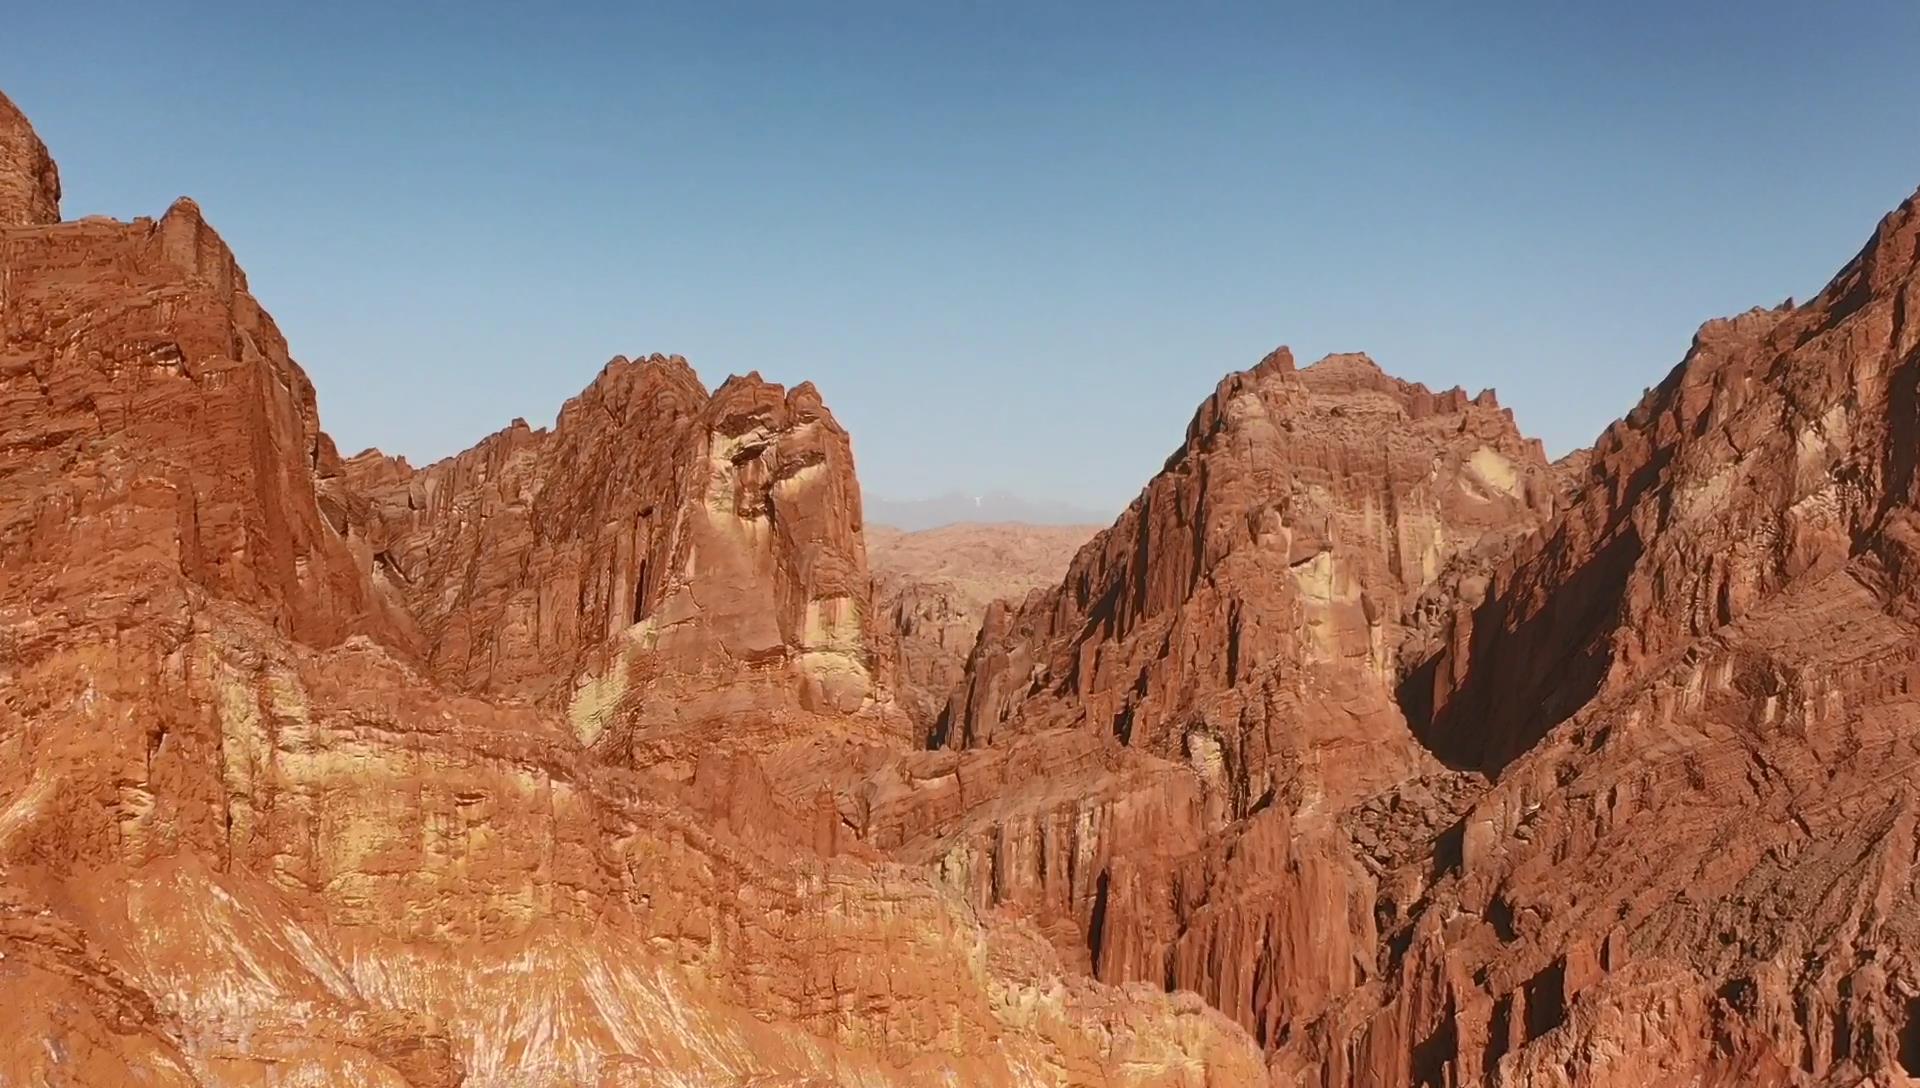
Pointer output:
x,y
29,181
329,772
1697,685
660,561
1366,748
1684,657
1159,760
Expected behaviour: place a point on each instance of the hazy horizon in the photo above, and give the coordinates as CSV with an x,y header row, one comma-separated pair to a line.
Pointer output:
x,y
1013,248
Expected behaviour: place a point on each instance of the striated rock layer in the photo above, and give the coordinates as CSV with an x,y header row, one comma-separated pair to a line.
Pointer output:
x,y
1696,684
1366,748
1191,717
1289,534
1661,832
516,770
29,181
660,560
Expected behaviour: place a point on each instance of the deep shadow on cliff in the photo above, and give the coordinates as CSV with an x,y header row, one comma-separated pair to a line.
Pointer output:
x,y
1365,748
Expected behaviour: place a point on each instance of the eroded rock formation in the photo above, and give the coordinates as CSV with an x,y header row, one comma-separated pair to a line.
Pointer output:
x,y
1232,644
29,181
1697,685
1366,748
495,773
1688,671
661,560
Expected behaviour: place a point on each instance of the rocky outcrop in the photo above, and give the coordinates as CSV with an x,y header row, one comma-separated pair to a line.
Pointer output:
x,y
1691,681
1238,633
933,588
659,561
1291,532
295,781
29,181
1696,685
156,430
1366,748
1770,454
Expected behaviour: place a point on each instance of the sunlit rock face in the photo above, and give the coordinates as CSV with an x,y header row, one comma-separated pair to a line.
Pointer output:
x,y
1166,758
1655,828
1695,685
29,180
660,565
521,769
1366,748
1292,532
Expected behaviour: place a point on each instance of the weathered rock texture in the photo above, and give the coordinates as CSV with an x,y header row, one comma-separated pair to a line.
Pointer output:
x,y
1191,715
1364,738
933,587
661,560
1290,534
1686,657
1697,686
495,773
29,181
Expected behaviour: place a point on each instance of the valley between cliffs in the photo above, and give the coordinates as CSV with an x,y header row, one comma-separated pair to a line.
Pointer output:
x,y
1366,748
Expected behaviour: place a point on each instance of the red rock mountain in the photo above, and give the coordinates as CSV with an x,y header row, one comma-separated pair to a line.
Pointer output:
x,y
1366,748
29,181
1670,679
1696,684
1191,718
712,569
508,771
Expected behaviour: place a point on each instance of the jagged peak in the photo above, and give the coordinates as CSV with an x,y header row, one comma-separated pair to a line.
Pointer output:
x,y
806,397
1346,362
1277,361
29,178
1354,371
622,382
184,206
1343,389
192,244
1890,255
745,400
1870,282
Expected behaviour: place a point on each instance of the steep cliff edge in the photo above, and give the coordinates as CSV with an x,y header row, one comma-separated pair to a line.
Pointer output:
x,y
672,569
1775,451
29,180
1290,534
295,783
1697,686
1166,759
1665,832
1365,748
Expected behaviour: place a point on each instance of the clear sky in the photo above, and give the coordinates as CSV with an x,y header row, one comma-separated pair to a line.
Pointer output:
x,y
1015,244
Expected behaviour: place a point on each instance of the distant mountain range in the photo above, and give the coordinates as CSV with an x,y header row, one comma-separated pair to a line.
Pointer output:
x,y
916,514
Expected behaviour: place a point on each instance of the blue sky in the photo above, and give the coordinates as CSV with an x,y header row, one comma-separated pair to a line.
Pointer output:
x,y
1015,245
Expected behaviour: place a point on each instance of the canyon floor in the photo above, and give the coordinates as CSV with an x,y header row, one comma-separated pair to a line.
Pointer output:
x,y
1367,747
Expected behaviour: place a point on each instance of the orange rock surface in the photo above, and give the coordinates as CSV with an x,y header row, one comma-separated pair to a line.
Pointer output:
x,y
29,181
1597,778
508,771
1365,748
1696,686
1237,633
